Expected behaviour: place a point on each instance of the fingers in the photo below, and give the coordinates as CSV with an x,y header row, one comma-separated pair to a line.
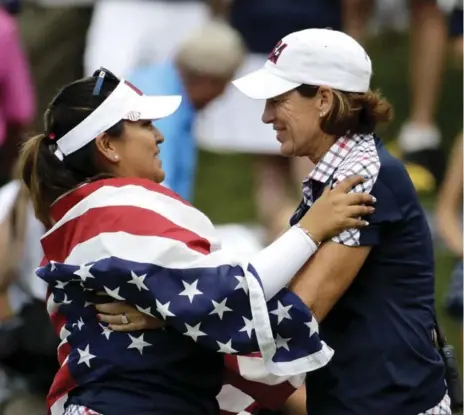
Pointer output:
x,y
326,191
136,321
127,327
356,211
359,199
353,223
115,322
111,319
114,308
347,184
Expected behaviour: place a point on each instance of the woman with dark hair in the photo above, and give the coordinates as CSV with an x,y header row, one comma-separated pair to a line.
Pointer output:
x,y
93,179
371,289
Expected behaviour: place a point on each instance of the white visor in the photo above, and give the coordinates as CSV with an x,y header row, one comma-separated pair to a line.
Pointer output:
x,y
262,84
124,103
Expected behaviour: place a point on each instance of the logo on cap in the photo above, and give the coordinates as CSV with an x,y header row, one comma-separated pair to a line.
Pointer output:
x,y
277,51
133,116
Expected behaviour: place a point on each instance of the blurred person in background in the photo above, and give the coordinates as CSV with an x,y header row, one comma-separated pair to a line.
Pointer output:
x,y
27,341
232,123
203,65
419,138
53,33
450,199
449,220
17,101
456,32
126,34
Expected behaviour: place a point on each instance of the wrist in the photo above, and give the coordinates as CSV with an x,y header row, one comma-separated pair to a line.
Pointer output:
x,y
309,234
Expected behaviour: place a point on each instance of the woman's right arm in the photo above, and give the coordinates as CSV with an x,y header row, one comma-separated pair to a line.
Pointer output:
x,y
198,288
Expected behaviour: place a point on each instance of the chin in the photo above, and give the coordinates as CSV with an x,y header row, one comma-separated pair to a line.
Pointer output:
x,y
286,151
159,176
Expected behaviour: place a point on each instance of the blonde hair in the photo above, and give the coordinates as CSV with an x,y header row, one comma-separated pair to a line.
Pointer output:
x,y
214,49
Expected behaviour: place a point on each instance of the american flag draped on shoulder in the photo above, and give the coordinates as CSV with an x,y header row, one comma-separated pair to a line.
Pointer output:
x,y
141,243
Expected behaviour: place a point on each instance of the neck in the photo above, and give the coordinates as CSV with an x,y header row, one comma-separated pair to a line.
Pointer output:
x,y
325,143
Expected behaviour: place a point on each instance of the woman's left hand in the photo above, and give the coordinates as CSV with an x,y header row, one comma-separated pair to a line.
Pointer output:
x,y
123,317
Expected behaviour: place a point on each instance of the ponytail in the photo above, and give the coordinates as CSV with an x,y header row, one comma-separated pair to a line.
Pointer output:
x,y
44,174
47,177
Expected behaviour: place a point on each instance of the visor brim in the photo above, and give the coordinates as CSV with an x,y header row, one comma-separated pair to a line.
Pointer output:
x,y
262,84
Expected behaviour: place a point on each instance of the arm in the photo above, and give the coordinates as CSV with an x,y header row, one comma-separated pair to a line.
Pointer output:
x,y
211,298
450,201
296,404
165,260
327,275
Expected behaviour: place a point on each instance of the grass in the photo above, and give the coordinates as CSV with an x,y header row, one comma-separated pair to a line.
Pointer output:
x,y
224,191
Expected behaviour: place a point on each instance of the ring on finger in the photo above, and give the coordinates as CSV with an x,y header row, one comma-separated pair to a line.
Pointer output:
x,y
124,319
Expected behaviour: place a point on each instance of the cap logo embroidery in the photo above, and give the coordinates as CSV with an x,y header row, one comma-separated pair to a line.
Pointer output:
x,y
277,51
133,116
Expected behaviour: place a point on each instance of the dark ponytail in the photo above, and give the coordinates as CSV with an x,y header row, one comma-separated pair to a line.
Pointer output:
x,y
48,177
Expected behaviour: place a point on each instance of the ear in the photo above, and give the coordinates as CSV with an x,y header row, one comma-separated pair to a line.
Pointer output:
x,y
325,100
107,148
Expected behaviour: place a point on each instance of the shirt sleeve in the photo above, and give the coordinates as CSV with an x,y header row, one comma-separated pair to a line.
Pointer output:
x,y
365,162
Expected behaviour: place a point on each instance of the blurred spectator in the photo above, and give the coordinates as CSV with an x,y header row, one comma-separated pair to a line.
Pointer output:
x,y
455,32
16,93
11,6
27,341
449,220
53,32
200,71
419,137
126,34
233,123
450,200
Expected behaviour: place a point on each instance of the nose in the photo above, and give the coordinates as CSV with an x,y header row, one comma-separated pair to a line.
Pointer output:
x,y
268,113
159,137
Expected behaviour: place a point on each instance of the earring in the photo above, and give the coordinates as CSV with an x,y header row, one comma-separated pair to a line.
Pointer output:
x,y
116,157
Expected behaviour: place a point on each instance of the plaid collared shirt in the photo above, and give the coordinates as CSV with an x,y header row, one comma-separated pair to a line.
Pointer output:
x,y
348,156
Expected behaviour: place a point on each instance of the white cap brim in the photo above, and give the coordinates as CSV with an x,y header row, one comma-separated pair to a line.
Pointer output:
x,y
262,84
124,103
155,107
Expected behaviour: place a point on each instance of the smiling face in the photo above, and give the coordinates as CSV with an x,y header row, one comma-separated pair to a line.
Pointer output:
x,y
134,153
297,122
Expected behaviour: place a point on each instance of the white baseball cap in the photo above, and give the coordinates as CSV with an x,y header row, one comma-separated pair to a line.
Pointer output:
x,y
311,57
126,102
